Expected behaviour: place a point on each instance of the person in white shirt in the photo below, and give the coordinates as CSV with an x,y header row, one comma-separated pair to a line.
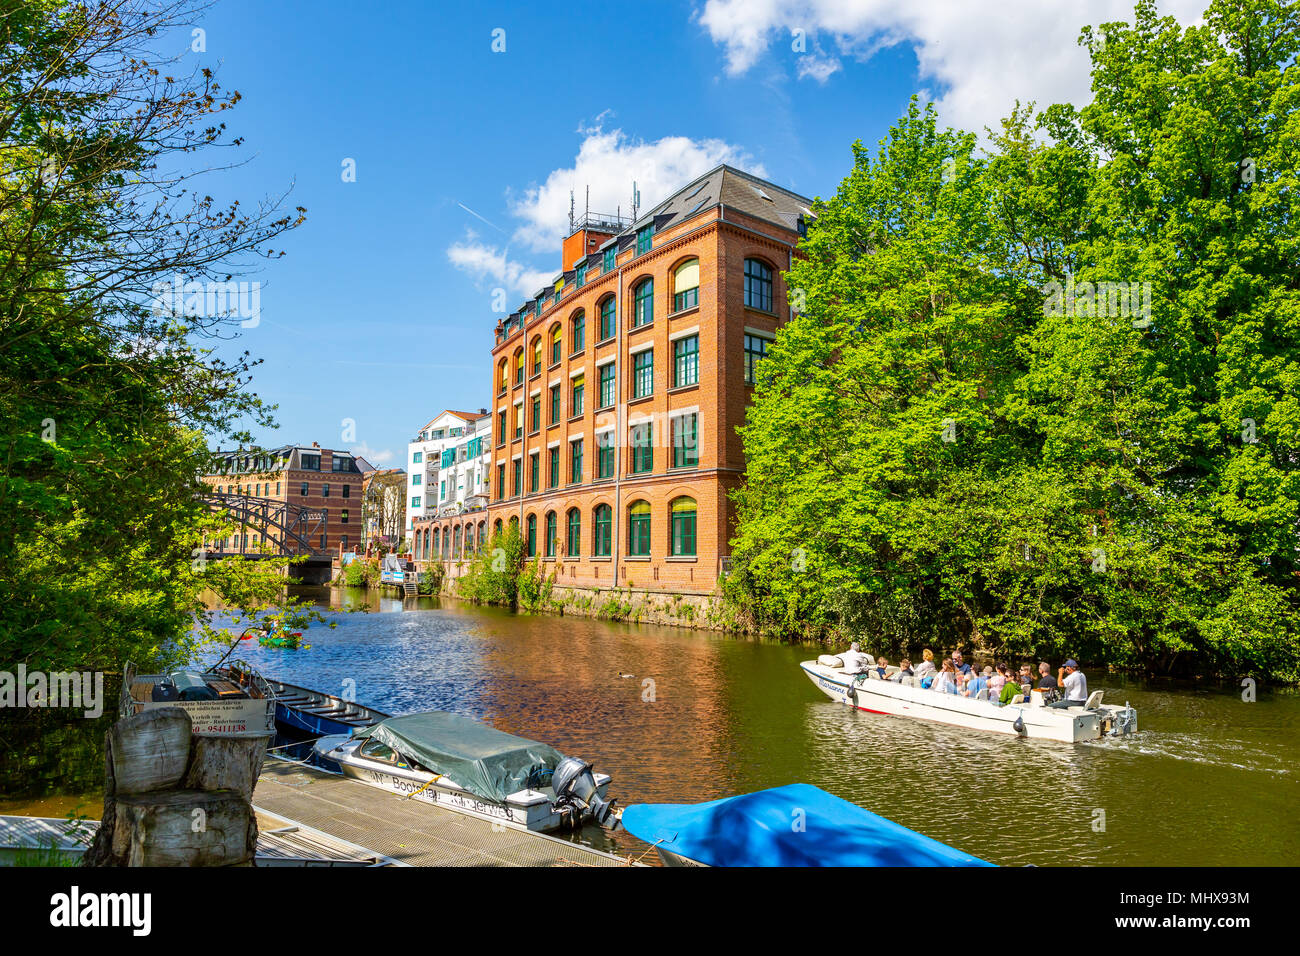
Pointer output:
x,y
855,662
1074,686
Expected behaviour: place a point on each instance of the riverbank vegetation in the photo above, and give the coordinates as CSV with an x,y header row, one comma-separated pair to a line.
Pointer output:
x,y
1043,396
108,392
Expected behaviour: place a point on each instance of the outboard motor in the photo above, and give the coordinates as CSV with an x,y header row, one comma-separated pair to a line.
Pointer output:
x,y
575,788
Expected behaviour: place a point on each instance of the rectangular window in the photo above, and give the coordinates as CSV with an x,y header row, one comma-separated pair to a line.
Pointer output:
x,y
580,275
442,491
638,531
643,373
686,361
519,476
555,468
519,421
537,412
448,457
643,239
575,462
643,452
417,479
579,387
579,334
555,404
310,462
347,490
605,454
501,482
343,515
532,471
324,491
686,441
683,529
303,491
418,457
610,258
415,502
605,375
755,351
686,299
501,428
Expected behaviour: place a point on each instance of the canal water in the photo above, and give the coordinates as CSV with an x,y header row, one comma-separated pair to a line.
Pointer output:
x,y
680,716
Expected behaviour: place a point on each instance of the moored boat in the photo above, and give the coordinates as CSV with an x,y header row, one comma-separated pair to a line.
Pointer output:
x,y
460,764
794,825
301,710
907,698
231,701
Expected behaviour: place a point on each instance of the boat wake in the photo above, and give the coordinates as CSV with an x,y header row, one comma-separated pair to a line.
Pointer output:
x,y
1195,748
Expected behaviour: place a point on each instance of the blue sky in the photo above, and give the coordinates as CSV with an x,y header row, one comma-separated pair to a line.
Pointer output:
x,y
380,313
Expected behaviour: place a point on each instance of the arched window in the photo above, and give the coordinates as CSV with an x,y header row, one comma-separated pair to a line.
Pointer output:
x,y
482,529
496,527
435,541
602,526
519,367
531,547
537,355
607,309
557,345
682,527
573,538
578,334
505,375
643,311
469,539
551,534
758,285
686,285
455,543
638,529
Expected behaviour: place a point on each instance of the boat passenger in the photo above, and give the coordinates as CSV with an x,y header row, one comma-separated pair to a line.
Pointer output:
x,y
882,665
961,668
997,680
978,682
1026,675
855,662
1045,680
1075,685
904,670
925,670
1010,692
946,680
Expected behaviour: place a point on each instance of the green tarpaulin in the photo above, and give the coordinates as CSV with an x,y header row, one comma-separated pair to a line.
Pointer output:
x,y
485,761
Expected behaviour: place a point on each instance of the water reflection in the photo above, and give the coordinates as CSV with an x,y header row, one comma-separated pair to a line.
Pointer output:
x,y
1209,780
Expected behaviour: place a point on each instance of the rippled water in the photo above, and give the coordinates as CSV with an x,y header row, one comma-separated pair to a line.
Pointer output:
x,y
1209,779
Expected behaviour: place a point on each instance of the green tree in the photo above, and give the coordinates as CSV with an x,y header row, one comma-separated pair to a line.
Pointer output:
x,y
1103,311
107,393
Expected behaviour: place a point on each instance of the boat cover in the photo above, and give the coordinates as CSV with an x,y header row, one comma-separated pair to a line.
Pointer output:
x,y
795,825
485,761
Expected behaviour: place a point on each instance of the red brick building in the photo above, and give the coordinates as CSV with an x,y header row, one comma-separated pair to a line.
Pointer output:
x,y
617,391
284,482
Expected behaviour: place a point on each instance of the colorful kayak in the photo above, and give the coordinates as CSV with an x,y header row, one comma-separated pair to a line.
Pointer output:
x,y
794,825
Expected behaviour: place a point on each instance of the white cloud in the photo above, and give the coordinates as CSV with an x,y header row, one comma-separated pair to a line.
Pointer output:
x,y
490,265
609,162
982,54
375,457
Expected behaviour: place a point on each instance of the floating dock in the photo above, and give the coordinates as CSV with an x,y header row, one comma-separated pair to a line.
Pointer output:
x,y
405,831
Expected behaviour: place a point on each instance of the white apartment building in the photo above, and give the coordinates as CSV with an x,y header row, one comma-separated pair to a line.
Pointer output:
x,y
449,465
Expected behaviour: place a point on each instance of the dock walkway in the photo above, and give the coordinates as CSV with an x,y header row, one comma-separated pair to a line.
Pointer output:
x,y
407,831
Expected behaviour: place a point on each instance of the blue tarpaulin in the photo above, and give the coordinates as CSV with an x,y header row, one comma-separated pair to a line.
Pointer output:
x,y
795,825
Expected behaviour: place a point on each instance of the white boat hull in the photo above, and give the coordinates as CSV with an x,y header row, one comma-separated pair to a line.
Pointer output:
x,y
527,809
1069,725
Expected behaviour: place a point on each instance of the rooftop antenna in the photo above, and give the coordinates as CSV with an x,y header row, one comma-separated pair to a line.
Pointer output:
x,y
587,211
636,200
570,212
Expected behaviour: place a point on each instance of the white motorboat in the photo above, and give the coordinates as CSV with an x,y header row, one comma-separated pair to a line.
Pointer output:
x,y
1031,719
464,765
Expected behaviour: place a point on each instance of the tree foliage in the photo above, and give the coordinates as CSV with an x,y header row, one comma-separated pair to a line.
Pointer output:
x,y
1044,396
